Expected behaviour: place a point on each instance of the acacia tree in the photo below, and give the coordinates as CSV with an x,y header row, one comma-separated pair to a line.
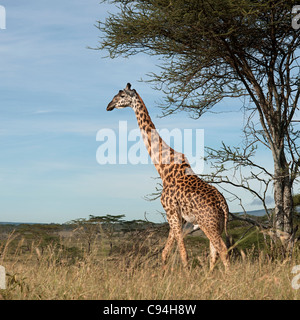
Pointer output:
x,y
214,49
97,226
108,225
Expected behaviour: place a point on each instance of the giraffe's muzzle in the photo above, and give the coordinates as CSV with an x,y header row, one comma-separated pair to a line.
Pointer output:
x,y
110,106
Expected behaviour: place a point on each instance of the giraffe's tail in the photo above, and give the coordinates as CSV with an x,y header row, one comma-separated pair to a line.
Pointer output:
x,y
226,215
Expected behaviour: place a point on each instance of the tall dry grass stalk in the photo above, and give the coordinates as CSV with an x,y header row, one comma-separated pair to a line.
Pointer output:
x,y
139,275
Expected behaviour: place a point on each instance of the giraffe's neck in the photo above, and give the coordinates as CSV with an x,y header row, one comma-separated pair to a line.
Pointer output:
x,y
162,156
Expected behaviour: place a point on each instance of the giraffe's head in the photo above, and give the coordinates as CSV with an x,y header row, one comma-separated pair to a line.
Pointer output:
x,y
122,99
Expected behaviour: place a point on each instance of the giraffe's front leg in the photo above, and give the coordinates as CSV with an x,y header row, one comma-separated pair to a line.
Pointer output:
x,y
168,246
176,229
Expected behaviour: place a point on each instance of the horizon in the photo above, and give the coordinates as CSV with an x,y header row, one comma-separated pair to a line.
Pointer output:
x,y
257,213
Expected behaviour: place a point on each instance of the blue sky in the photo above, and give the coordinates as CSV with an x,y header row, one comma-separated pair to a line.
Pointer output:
x,y
53,95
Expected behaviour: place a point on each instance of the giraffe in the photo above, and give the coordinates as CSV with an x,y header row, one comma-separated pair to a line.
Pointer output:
x,y
185,197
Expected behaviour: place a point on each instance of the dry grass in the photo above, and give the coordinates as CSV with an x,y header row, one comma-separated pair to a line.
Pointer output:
x,y
137,274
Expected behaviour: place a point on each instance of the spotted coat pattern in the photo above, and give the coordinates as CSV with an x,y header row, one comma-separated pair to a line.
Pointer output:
x,y
185,196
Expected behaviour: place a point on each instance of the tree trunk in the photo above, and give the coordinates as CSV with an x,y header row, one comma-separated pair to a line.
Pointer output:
x,y
283,197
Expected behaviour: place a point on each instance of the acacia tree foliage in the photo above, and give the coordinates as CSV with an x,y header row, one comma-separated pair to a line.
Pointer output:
x,y
214,49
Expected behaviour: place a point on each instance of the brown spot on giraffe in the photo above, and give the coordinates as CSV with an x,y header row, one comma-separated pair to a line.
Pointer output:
x,y
184,196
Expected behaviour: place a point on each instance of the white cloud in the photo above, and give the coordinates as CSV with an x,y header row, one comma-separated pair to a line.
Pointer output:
x,y
257,202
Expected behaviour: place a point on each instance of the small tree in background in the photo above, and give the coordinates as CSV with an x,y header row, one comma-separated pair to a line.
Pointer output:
x,y
109,225
87,231
40,234
98,227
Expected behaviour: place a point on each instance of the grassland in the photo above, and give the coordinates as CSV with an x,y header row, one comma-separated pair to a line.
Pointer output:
x,y
126,266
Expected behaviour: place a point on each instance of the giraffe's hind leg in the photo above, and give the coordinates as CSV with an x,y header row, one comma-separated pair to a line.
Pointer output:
x,y
213,255
217,246
221,249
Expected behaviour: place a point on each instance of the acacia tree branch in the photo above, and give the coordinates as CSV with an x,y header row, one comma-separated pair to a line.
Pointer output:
x,y
249,220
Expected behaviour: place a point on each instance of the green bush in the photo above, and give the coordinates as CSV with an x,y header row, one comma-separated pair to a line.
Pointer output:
x,y
296,199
